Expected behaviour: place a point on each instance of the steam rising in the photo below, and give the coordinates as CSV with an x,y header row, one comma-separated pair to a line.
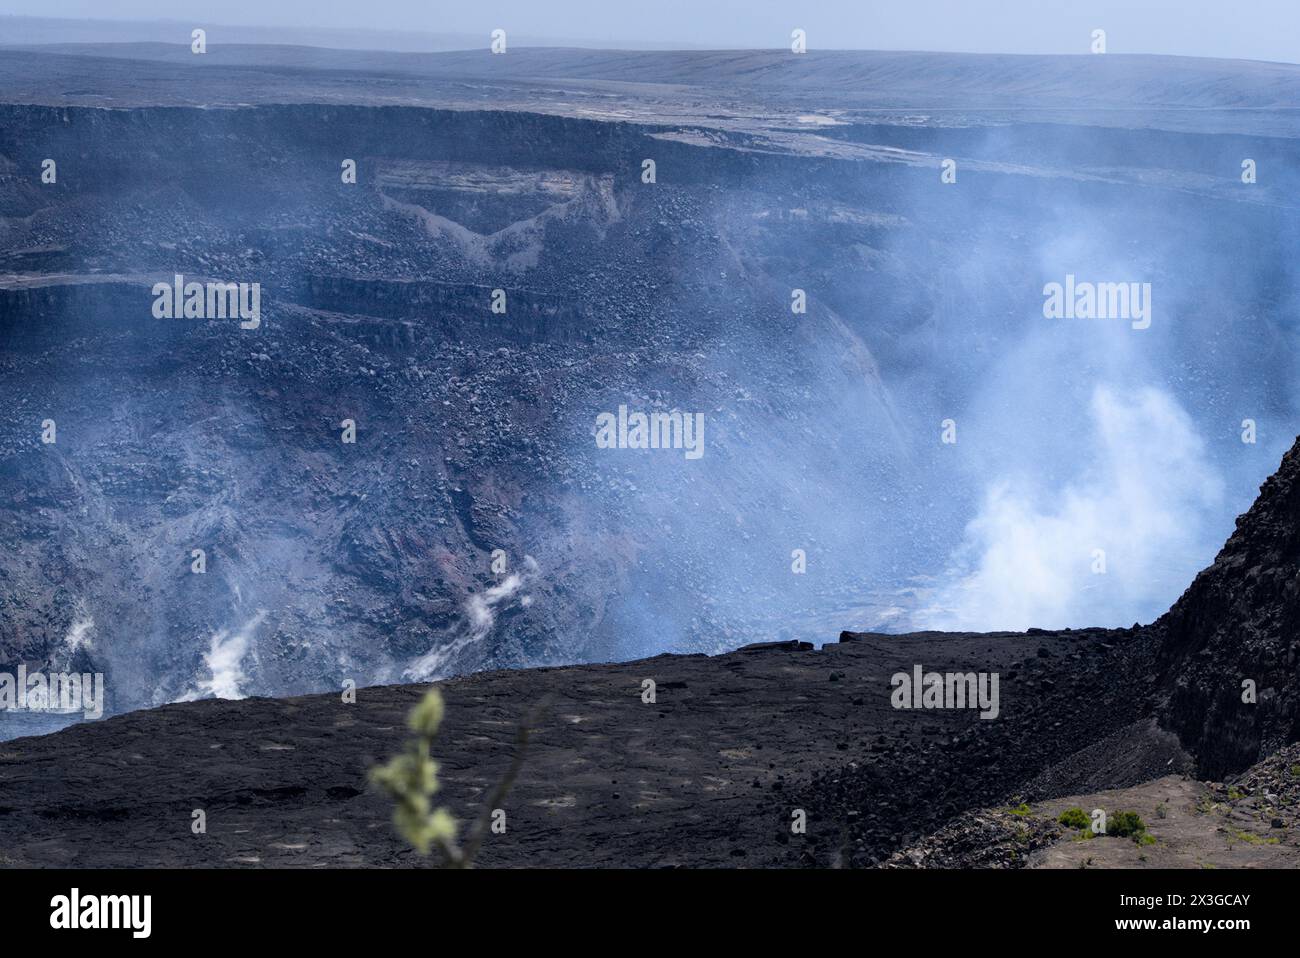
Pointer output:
x,y
78,636
225,661
1140,494
480,616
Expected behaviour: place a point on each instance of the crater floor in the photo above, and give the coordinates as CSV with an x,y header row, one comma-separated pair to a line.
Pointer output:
x,y
707,775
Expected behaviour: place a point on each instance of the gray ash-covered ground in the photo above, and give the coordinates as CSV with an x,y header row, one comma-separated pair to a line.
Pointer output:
x,y
709,774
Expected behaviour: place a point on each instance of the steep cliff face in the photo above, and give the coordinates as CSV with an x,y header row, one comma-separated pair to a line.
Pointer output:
x,y
1237,624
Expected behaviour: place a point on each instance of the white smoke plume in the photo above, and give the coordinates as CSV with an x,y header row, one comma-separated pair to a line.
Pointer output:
x,y
479,611
225,662
1030,559
78,636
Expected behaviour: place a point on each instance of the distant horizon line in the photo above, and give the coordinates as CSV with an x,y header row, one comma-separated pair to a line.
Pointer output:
x,y
524,41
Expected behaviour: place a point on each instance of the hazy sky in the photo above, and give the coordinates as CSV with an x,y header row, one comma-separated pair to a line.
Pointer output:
x,y
1251,29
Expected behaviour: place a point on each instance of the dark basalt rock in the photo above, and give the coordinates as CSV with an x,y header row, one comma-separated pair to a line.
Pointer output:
x,y
1238,621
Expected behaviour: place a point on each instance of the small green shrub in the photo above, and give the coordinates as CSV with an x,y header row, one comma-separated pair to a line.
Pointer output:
x,y
1074,818
1250,838
411,780
1022,810
1127,825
